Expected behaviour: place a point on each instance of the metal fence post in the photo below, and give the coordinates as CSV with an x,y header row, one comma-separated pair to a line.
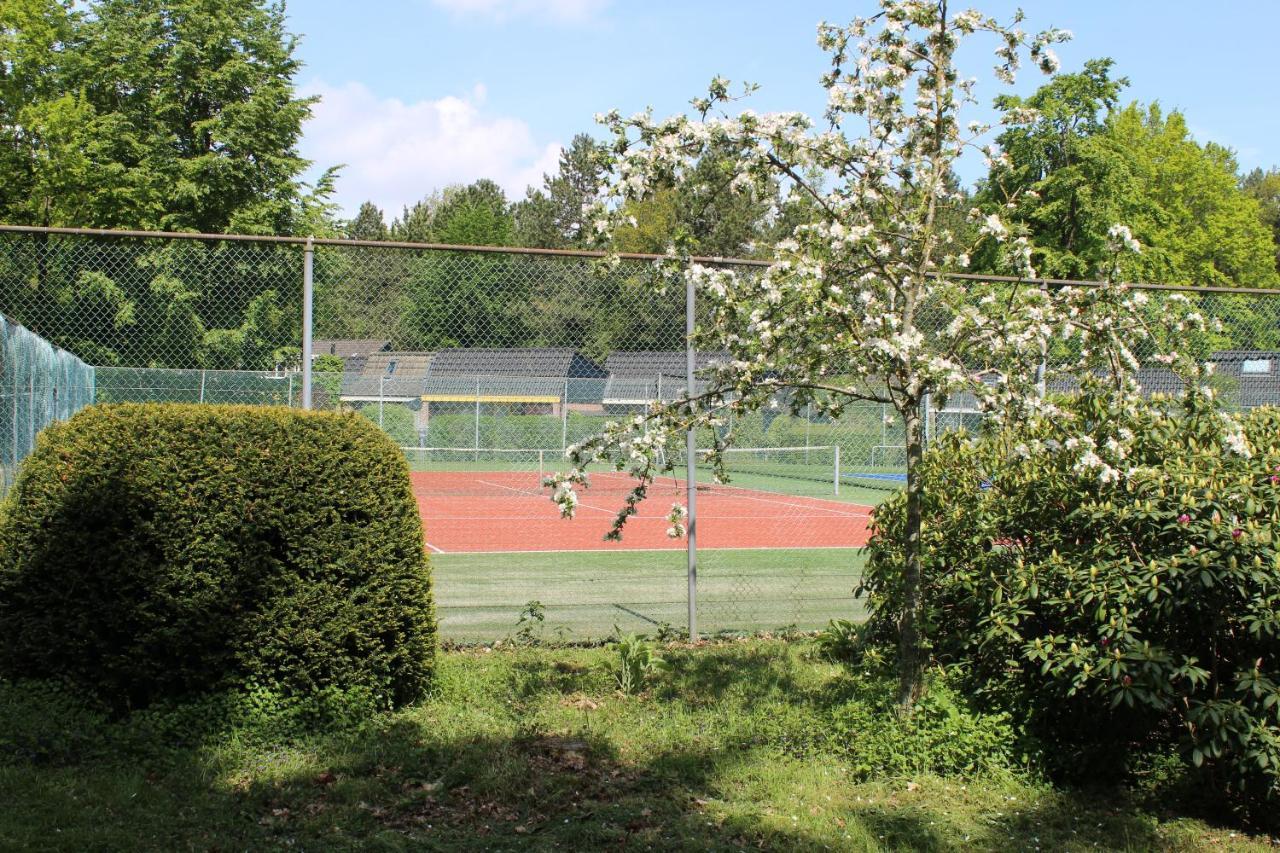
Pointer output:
x,y
808,420
477,437
836,467
202,373
691,449
14,362
564,418
31,411
308,264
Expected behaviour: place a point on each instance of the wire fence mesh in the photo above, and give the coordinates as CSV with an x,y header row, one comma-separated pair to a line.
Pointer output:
x,y
484,367
39,384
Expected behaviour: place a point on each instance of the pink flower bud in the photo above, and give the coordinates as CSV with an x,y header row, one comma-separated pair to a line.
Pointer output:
x,y
1184,518
1237,533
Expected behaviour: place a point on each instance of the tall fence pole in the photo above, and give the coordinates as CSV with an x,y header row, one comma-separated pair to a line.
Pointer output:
x,y
14,363
691,449
31,411
564,419
308,264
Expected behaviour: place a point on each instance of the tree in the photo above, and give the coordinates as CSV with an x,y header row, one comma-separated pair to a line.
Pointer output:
x,y
369,224
1045,156
551,217
1265,187
856,305
1082,165
170,114
474,215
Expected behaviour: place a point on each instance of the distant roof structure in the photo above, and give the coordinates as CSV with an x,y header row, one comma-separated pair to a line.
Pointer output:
x,y
513,375
1254,376
348,347
639,377
541,362
352,351
390,376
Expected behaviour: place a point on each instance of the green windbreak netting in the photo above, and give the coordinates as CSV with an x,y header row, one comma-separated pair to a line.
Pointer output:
x,y
39,384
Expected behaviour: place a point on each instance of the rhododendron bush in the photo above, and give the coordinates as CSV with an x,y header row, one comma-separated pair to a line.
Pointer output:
x,y
1114,572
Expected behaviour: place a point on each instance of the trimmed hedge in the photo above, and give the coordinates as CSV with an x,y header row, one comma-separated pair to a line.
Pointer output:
x,y
154,552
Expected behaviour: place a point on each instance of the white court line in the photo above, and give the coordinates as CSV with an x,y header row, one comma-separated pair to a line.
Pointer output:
x,y
808,505
434,548
528,494
675,549
790,503
702,516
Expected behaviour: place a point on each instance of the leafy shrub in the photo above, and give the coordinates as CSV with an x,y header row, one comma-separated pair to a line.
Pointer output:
x,y
1114,572
636,662
943,735
840,640
152,552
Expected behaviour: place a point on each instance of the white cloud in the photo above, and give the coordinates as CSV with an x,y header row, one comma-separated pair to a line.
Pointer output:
x,y
396,152
556,11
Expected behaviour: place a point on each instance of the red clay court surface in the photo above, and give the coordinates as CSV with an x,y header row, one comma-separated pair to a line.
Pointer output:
x,y
506,511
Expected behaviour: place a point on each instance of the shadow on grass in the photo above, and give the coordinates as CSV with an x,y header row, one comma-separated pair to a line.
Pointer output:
x,y
479,772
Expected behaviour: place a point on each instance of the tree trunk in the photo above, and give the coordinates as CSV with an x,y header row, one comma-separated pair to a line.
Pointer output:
x,y
910,652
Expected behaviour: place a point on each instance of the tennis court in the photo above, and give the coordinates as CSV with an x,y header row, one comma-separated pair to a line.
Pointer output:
x,y
779,545
510,511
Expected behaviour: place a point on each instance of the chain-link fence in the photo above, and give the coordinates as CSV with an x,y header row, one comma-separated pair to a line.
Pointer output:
x,y
39,384
484,366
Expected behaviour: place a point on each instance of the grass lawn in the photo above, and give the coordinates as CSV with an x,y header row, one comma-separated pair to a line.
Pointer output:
x,y
586,594
741,745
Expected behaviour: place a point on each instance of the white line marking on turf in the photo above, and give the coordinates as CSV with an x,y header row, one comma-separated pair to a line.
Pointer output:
x,y
528,494
808,505
679,549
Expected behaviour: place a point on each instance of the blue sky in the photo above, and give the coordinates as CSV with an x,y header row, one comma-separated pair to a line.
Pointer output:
x,y
418,94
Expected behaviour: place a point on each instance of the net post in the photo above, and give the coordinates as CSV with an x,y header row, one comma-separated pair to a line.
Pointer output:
x,y
308,264
691,447
837,470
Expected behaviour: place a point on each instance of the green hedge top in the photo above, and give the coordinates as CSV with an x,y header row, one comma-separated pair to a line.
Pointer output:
x,y
158,551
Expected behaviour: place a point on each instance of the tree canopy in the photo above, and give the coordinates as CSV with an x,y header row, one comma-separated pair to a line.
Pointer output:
x,y
155,114
1093,163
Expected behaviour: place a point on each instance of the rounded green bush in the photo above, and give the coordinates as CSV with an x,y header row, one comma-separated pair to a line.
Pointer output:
x,y
154,552
1113,574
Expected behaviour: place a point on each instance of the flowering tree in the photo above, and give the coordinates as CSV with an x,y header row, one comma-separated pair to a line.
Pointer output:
x,y
867,302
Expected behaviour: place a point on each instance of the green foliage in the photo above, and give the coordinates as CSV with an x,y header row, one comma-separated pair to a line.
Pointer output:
x,y
1265,188
156,552
636,662
395,419
1112,614
942,735
1093,165
529,625
164,114
840,640
551,217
